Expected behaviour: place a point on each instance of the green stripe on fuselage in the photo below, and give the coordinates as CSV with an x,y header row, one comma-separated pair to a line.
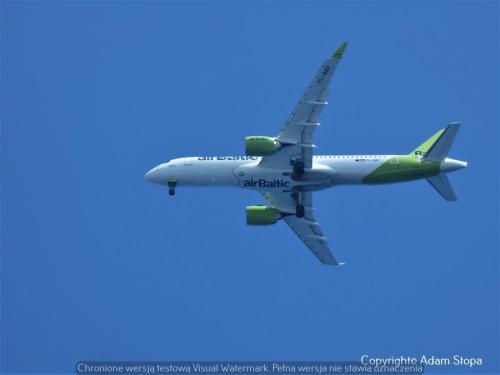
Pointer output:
x,y
402,168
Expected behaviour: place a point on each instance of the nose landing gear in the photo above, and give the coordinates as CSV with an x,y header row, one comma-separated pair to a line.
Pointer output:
x,y
171,187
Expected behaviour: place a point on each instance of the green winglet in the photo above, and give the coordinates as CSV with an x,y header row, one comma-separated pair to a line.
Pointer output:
x,y
340,51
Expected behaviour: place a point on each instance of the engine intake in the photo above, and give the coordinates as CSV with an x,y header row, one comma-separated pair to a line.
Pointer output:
x,y
261,215
260,146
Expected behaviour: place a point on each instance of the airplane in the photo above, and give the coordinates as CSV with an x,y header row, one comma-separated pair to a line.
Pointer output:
x,y
285,171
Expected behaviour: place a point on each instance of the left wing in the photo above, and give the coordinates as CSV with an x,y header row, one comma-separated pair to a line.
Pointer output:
x,y
296,135
306,228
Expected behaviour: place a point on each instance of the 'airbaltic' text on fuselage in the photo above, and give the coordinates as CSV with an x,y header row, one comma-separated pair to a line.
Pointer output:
x,y
228,158
266,183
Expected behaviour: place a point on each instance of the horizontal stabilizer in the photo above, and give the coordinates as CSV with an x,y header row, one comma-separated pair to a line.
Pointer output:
x,y
443,186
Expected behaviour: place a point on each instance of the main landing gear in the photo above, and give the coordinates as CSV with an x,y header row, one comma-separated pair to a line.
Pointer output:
x,y
299,208
299,211
298,169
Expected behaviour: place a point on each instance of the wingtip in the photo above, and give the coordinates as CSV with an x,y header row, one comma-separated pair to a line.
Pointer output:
x,y
340,51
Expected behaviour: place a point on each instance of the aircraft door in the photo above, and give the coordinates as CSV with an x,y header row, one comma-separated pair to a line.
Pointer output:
x,y
394,160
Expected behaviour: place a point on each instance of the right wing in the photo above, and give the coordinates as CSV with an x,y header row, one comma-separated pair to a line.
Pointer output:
x,y
306,228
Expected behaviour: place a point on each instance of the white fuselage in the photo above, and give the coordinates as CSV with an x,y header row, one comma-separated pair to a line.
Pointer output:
x,y
245,172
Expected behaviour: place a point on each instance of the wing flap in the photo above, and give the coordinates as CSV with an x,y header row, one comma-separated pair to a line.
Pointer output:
x,y
306,228
313,238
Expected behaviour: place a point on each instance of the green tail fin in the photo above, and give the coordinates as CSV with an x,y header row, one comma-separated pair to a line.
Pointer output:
x,y
424,147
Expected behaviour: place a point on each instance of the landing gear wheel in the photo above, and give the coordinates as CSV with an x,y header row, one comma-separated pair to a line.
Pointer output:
x,y
171,186
299,165
299,211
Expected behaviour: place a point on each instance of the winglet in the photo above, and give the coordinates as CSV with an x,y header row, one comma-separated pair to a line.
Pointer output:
x,y
339,52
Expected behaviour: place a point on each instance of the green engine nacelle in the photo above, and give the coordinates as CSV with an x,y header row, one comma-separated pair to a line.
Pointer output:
x,y
260,146
261,215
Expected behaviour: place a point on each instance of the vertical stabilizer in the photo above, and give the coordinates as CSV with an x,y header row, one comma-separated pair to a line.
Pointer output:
x,y
438,146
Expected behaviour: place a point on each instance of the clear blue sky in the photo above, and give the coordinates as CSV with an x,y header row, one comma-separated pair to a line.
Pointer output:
x,y
99,264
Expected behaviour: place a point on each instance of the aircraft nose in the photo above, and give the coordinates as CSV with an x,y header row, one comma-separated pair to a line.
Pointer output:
x,y
152,175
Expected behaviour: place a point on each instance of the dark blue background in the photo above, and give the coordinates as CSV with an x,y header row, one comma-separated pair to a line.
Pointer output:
x,y
97,264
